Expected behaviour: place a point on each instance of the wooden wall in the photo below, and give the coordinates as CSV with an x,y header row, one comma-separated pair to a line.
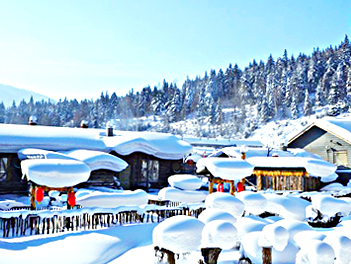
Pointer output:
x,y
322,143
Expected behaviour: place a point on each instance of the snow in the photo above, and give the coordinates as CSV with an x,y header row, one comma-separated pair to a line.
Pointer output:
x,y
55,172
286,206
179,234
221,142
225,168
225,201
33,153
315,167
164,146
219,234
213,214
330,206
113,199
274,236
160,145
185,182
254,202
342,248
97,160
177,195
316,252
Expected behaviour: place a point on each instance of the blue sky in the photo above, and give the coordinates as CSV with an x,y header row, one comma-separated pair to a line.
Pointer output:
x,y
77,49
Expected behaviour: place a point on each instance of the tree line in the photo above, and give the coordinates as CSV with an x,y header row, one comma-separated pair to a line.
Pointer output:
x,y
282,88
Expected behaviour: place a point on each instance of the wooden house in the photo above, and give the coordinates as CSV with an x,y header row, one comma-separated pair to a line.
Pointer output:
x,y
152,157
266,169
329,138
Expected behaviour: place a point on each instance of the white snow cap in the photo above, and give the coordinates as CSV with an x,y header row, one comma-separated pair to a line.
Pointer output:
x,y
213,214
219,234
302,238
225,168
329,205
177,195
97,160
179,234
274,236
255,203
293,226
248,224
225,201
185,181
113,199
55,172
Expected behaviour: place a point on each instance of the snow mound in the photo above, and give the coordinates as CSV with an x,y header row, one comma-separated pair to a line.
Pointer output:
x,y
342,248
286,206
316,252
225,168
185,182
113,199
274,236
225,201
249,224
97,160
302,239
294,227
177,195
178,234
213,214
219,234
254,202
55,172
330,206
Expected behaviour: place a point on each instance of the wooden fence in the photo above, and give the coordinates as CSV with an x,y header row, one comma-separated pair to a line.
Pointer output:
x,y
25,222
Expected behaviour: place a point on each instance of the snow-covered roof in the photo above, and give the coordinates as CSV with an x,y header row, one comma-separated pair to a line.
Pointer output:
x,y
225,168
163,146
55,172
221,142
339,127
160,145
227,164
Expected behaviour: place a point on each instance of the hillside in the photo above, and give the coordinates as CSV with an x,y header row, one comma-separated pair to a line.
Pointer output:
x,y
9,93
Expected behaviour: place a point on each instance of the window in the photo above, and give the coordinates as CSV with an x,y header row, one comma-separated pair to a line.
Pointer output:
x,y
149,170
3,171
340,158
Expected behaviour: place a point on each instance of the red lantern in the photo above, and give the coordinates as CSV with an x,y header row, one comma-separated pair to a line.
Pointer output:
x,y
71,199
39,194
220,187
240,187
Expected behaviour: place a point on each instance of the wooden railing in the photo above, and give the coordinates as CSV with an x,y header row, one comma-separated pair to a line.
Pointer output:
x,y
25,222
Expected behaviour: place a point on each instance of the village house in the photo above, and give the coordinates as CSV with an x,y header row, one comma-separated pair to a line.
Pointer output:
x,y
151,157
330,138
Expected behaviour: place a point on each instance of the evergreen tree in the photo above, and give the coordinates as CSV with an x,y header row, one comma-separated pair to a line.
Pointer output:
x,y
307,106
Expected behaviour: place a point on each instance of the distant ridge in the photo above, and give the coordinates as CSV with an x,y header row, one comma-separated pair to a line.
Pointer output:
x,y
9,93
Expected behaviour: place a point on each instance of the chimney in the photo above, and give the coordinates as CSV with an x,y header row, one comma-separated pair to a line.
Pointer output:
x,y
84,124
109,130
33,120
